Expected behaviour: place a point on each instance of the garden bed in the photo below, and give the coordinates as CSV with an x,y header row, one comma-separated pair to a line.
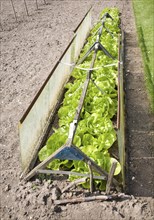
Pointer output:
x,y
92,99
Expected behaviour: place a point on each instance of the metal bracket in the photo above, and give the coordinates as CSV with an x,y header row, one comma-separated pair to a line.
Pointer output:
x,y
69,153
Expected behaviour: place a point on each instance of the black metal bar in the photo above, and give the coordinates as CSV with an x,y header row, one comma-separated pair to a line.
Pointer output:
x,y
84,91
87,54
97,87
106,15
96,46
111,34
101,47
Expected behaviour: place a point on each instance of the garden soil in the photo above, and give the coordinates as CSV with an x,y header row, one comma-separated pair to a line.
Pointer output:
x,y
30,48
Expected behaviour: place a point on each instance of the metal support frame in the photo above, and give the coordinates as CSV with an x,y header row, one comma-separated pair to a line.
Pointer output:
x,y
69,151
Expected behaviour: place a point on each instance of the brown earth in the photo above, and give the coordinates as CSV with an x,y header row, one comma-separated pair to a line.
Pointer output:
x,y
29,50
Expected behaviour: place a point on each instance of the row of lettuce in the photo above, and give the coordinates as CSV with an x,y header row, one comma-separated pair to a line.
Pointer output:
x,y
95,132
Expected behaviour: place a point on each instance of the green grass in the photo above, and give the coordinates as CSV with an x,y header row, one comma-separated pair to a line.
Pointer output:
x,y
144,14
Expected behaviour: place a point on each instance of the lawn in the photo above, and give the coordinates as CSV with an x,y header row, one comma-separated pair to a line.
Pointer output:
x,y
144,14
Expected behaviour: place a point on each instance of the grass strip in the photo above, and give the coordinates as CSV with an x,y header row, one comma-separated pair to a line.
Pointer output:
x,y
144,14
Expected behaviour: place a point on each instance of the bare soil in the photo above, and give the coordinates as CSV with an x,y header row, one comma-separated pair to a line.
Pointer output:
x,y
29,50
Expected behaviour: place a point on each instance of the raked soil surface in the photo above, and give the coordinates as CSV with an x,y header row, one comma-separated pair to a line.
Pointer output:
x,y
29,50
